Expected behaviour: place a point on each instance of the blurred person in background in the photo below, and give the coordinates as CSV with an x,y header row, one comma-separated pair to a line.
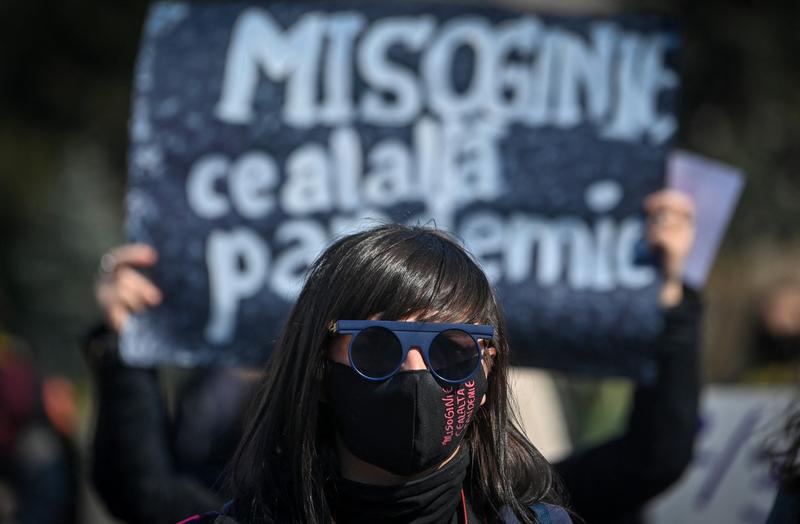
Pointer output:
x,y
775,346
775,356
38,475
160,475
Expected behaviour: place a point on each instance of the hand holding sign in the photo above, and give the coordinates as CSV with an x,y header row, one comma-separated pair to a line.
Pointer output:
x,y
670,230
120,289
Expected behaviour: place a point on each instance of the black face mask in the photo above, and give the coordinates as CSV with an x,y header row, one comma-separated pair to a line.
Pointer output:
x,y
405,424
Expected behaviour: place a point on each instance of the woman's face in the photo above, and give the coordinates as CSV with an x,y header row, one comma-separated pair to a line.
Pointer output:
x,y
420,422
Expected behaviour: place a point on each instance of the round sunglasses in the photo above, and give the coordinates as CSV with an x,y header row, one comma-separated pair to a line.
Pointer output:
x,y
378,348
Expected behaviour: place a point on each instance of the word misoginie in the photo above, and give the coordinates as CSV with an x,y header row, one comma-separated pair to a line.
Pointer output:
x,y
524,71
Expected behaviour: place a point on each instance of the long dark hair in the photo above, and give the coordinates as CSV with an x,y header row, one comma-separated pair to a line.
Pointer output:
x,y
783,451
285,459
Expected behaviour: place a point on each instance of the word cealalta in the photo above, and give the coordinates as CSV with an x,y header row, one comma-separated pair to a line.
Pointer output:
x,y
596,255
459,405
522,71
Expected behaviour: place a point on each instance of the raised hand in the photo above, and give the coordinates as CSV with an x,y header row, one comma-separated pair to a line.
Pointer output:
x,y
120,289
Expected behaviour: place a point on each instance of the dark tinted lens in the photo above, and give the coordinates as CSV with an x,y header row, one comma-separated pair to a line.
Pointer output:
x,y
375,352
453,355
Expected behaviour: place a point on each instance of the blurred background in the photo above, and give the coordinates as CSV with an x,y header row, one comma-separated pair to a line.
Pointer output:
x,y
65,81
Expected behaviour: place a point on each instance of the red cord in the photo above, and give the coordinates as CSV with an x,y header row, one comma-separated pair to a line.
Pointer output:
x,y
464,506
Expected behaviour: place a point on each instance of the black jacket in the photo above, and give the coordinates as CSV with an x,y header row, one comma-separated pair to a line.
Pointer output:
x,y
611,483
144,466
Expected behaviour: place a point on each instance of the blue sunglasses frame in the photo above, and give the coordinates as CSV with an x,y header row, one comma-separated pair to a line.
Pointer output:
x,y
414,334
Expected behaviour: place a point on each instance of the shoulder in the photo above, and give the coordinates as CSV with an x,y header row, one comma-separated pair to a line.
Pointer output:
x,y
551,514
545,514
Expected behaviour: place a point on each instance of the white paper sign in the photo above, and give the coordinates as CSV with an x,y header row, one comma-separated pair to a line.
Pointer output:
x,y
715,189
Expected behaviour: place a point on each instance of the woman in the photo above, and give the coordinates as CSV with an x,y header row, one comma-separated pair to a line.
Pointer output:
x,y
402,418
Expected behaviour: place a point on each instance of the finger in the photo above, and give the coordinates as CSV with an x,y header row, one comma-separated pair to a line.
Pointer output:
x,y
128,292
140,255
657,238
130,298
670,220
673,229
137,283
656,198
670,200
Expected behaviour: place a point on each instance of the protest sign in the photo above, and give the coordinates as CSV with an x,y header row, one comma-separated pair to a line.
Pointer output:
x,y
715,189
729,478
261,132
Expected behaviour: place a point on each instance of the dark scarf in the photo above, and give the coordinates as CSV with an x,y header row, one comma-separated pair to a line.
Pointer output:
x,y
432,499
